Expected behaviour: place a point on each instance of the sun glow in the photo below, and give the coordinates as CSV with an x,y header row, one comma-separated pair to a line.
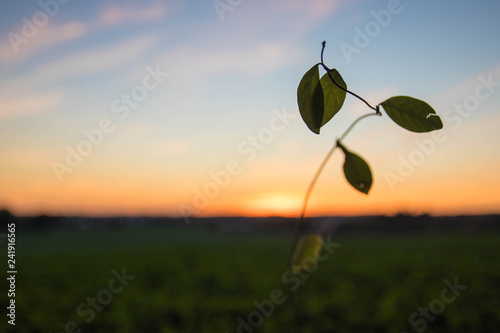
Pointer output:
x,y
282,204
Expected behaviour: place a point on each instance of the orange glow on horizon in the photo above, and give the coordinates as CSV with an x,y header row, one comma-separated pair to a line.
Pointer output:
x,y
281,204
94,198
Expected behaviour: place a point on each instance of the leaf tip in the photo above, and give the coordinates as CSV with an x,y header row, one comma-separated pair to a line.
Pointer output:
x,y
363,189
356,171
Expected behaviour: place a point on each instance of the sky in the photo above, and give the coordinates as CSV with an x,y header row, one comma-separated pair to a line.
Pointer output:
x,y
190,108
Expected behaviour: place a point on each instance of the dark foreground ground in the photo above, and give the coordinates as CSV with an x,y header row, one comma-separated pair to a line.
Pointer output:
x,y
184,278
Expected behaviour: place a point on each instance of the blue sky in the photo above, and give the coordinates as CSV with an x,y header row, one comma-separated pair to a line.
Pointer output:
x,y
228,73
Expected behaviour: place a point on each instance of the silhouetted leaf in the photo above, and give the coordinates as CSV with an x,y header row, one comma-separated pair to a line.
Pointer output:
x,y
357,171
310,99
334,97
412,114
307,253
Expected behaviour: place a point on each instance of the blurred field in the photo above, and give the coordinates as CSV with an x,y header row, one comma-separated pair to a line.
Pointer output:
x,y
190,280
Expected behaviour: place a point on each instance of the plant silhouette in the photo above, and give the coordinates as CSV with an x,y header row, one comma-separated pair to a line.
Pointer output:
x,y
319,100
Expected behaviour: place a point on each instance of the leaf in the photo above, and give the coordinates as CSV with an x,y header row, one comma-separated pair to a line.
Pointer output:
x,y
334,97
412,114
310,99
357,171
307,253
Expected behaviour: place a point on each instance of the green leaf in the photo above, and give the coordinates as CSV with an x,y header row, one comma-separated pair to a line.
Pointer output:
x,y
310,99
412,114
334,97
357,171
307,253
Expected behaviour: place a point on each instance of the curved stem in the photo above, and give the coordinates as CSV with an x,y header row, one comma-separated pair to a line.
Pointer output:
x,y
344,89
342,137
296,231
310,188
305,203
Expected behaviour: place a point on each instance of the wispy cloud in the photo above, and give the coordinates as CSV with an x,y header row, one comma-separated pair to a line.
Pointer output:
x,y
22,96
251,60
48,36
114,15
307,13
467,87
54,34
18,105
96,60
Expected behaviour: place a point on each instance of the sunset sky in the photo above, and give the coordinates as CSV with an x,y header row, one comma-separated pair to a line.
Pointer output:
x,y
172,107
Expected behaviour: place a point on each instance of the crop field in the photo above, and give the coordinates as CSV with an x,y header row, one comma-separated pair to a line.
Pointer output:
x,y
191,280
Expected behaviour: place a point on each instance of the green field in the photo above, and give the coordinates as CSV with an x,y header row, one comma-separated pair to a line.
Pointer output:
x,y
189,280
